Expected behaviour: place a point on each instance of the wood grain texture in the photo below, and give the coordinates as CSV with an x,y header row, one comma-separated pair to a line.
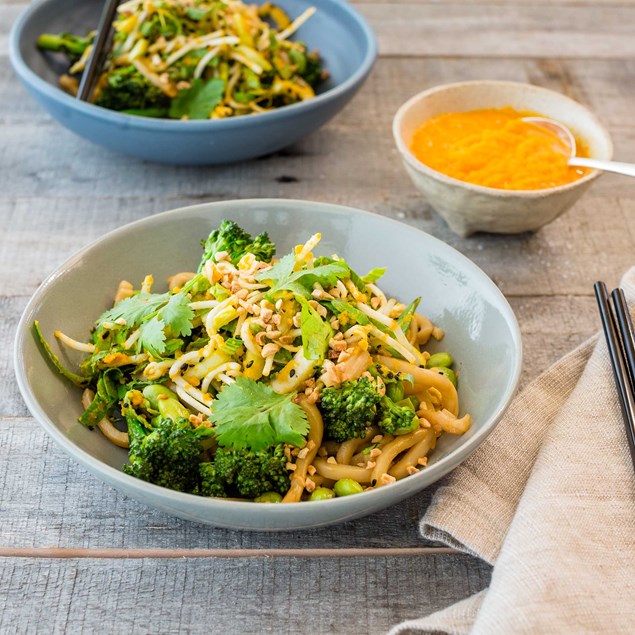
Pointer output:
x,y
59,192
231,596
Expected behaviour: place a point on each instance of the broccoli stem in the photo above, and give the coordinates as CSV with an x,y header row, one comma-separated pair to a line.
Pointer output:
x,y
165,401
71,44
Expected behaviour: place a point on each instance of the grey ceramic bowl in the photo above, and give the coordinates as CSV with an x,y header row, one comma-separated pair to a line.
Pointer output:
x,y
481,333
468,208
343,38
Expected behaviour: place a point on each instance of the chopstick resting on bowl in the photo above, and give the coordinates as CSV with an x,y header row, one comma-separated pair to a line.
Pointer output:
x,y
98,52
622,351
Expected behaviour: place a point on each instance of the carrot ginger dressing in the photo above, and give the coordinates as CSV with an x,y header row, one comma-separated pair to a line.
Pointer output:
x,y
495,148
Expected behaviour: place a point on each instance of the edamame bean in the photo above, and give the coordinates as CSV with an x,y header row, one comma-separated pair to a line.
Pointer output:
x,y
346,487
321,494
395,391
440,360
268,497
165,401
449,373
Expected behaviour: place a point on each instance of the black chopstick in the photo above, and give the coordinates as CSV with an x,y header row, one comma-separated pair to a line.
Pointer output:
x,y
622,353
98,52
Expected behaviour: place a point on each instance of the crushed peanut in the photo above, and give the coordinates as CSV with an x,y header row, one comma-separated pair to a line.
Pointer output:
x,y
411,469
386,479
302,454
269,350
331,460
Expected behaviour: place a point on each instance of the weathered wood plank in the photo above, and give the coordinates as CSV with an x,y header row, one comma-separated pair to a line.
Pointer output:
x,y
42,157
200,596
562,259
482,29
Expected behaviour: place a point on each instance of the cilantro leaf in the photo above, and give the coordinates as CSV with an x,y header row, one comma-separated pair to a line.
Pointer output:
x,y
373,275
178,315
152,337
134,309
198,101
316,333
248,414
284,278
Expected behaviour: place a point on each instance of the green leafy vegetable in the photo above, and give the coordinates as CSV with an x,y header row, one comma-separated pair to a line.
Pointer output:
x,y
178,315
284,278
347,313
373,275
316,333
196,14
198,101
152,337
153,313
248,414
106,397
135,309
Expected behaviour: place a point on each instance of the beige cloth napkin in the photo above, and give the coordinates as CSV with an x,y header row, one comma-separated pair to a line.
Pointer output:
x,y
549,500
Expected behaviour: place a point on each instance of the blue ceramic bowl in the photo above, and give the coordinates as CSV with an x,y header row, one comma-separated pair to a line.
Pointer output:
x,y
346,44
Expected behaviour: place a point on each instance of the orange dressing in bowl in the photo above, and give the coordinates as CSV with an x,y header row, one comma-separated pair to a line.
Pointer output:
x,y
495,148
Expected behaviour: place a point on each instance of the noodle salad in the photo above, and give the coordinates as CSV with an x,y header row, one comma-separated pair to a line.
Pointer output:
x,y
196,59
265,379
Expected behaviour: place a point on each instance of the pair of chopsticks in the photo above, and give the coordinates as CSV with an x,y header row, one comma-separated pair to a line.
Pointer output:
x,y
98,52
620,337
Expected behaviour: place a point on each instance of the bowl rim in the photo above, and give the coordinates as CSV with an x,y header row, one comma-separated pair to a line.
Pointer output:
x,y
421,167
31,78
400,489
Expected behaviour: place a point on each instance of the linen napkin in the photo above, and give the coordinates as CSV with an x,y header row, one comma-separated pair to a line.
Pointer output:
x,y
549,500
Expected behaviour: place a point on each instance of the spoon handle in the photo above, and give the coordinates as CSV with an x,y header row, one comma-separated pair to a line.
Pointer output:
x,y
608,166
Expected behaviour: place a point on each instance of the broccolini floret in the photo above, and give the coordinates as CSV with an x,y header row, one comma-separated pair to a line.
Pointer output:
x,y
349,409
167,455
245,473
72,45
396,418
126,89
231,238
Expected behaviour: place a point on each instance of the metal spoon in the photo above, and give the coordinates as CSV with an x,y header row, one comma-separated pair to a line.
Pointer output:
x,y
569,140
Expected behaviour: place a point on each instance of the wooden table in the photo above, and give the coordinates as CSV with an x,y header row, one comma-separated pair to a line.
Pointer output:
x,y
76,555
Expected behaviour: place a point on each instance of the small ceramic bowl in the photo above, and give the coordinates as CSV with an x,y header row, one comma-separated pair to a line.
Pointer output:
x,y
481,332
343,38
469,208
